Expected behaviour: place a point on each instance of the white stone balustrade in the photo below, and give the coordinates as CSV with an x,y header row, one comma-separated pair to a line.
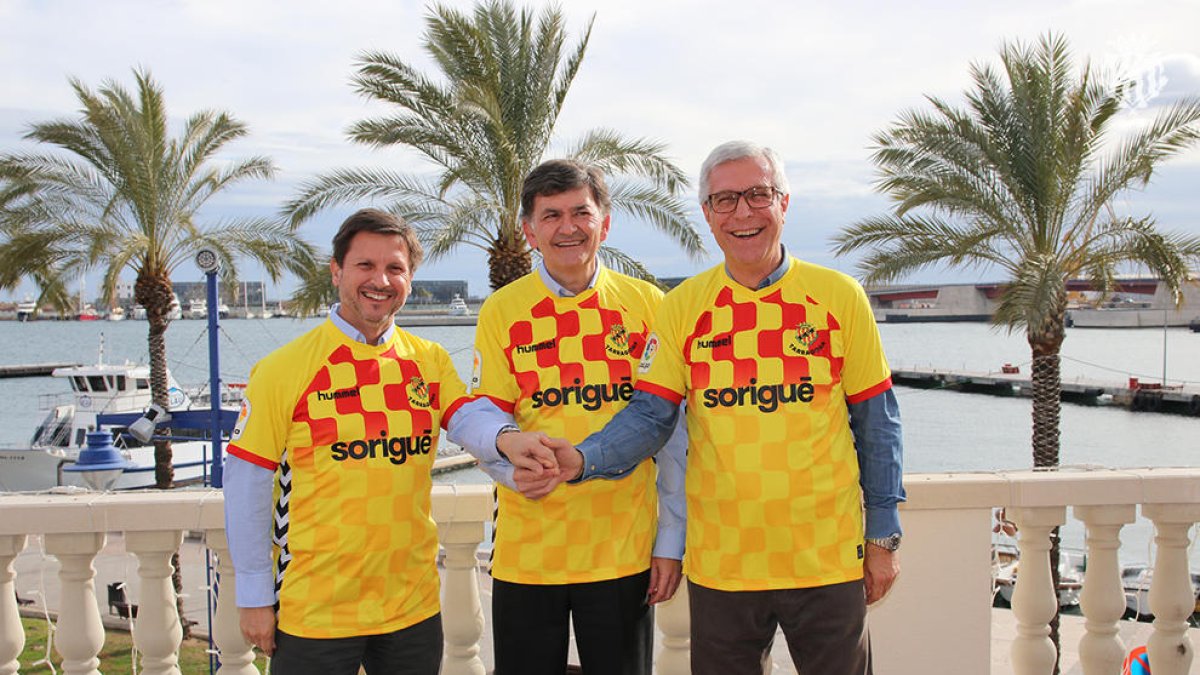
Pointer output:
x,y
940,607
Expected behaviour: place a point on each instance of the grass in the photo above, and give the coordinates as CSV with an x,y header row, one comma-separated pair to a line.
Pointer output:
x,y
115,657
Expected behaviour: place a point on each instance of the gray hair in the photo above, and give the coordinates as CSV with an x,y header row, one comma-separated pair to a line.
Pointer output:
x,y
727,152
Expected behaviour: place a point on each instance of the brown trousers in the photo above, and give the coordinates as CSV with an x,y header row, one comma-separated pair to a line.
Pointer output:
x,y
825,628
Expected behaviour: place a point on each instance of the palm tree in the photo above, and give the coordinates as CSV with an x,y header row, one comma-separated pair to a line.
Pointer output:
x,y
1025,180
485,126
122,195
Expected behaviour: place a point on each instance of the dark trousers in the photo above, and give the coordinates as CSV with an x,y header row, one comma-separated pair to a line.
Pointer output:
x,y
614,627
825,628
416,650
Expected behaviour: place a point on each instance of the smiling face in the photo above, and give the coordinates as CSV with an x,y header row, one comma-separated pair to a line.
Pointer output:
x,y
373,282
567,229
748,237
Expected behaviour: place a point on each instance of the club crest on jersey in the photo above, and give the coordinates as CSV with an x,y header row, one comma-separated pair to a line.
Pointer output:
x,y
240,425
648,354
617,340
805,340
418,392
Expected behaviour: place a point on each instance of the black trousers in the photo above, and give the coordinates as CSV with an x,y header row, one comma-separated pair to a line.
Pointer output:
x,y
416,650
825,628
614,627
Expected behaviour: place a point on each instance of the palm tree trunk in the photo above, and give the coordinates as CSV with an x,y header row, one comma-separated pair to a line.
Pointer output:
x,y
156,295
508,259
1045,343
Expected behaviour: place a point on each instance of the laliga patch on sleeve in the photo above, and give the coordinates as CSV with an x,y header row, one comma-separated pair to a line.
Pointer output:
x,y
476,372
240,425
648,354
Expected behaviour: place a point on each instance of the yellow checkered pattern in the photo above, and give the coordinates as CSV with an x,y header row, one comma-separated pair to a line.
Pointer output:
x,y
360,426
772,479
565,366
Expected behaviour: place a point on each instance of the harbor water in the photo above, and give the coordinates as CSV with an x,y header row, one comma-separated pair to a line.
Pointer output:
x,y
943,430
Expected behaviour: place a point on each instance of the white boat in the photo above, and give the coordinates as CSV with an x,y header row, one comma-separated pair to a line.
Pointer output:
x,y
197,309
26,311
1071,566
99,389
1136,580
117,314
175,312
458,307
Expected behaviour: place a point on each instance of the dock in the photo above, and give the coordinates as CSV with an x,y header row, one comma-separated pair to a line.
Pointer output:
x,y
1133,395
32,369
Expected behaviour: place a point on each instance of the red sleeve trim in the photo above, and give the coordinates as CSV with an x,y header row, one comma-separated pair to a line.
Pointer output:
x,y
506,406
871,392
462,400
659,391
251,457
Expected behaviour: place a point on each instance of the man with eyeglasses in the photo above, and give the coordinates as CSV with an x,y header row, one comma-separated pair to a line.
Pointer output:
x,y
793,428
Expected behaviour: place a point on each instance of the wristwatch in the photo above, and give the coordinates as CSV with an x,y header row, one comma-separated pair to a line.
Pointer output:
x,y
891,543
506,429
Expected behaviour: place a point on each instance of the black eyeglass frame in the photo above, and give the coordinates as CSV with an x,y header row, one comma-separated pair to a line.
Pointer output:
x,y
744,194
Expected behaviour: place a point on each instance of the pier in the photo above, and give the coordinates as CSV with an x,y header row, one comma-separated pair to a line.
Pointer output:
x,y
32,369
1133,395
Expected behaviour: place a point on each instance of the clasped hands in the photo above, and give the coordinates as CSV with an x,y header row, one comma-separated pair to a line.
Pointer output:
x,y
540,462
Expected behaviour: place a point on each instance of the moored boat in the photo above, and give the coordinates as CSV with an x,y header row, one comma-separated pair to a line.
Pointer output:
x,y
101,389
458,306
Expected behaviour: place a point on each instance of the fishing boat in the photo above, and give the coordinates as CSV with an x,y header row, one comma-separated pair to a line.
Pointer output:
x,y
458,306
116,313
101,389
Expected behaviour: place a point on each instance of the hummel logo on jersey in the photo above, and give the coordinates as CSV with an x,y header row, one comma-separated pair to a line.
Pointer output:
x,y
590,396
535,347
767,397
395,449
333,395
713,344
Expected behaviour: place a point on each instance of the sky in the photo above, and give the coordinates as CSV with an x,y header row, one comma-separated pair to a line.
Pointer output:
x,y
813,80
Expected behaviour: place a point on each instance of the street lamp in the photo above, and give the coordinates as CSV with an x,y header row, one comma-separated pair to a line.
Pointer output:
x,y
100,463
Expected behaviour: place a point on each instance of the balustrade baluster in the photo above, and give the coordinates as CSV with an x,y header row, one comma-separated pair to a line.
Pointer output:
x,y
157,631
12,636
675,623
1034,597
1101,650
80,634
237,655
1172,599
462,615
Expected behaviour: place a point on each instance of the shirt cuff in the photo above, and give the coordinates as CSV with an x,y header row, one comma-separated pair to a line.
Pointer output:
x,y
593,455
882,522
670,540
255,589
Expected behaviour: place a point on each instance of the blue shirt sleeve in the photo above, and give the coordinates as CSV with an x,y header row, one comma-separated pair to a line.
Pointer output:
x,y
248,492
474,426
672,501
632,435
880,447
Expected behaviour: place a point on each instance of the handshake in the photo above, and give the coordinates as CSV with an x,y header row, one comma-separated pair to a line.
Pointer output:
x,y
540,462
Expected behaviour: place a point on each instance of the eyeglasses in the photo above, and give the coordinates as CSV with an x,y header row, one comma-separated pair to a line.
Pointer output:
x,y
756,198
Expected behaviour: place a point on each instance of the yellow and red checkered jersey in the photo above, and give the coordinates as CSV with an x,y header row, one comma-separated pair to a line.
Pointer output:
x,y
353,431
565,366
773,495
